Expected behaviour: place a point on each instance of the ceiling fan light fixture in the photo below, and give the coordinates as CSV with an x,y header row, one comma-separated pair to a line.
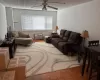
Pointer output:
x,y
45,5
44,8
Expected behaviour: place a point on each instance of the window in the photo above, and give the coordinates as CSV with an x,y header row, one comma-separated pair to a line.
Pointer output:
x,y
36,22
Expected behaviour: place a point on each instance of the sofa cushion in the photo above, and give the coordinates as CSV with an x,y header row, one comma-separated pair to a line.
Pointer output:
x,y
22,35
66,35
74,37
61,46
62,32
55,41
64,47
23,41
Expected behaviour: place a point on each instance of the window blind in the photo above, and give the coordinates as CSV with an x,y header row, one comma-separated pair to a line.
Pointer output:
x,y
36,22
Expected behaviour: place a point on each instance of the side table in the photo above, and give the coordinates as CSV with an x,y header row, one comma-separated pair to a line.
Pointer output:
x,y
12,46
38,36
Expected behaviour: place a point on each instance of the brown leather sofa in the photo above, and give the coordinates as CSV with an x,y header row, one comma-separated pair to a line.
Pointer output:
x,y
66,40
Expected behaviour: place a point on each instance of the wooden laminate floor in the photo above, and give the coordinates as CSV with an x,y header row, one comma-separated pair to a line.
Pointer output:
x,y
65,74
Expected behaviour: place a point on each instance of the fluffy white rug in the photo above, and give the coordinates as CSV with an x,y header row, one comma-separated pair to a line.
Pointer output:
x,y
42,57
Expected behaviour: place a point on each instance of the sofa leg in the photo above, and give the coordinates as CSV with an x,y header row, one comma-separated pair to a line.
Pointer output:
x,y
70,54
79,56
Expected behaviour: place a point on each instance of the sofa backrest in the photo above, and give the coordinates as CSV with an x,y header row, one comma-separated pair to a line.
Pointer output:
x,y
66,35
75,38
79,40
62,32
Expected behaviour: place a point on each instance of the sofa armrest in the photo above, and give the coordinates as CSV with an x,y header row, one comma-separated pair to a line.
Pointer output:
x,y
74,46
57,36
54,35
28,36
70,43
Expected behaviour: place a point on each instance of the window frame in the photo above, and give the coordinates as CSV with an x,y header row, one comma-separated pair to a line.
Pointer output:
x,y
23,29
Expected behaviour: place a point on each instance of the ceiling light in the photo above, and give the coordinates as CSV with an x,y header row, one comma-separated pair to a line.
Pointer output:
x,y
44,8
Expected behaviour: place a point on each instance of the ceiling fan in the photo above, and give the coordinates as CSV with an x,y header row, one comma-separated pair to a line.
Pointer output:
x,y
45,5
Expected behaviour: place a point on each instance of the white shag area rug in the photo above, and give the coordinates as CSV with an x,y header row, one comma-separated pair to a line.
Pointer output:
x,y
42,57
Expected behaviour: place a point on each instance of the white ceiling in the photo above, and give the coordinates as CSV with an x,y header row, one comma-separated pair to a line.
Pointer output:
x,y
27,4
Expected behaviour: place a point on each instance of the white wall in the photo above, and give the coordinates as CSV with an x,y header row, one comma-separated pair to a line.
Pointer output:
x,y
17,20
85,16
3,23
9,14
18,12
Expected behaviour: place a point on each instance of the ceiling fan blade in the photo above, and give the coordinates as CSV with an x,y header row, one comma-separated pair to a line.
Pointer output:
x,y
52,7
57,2
35,6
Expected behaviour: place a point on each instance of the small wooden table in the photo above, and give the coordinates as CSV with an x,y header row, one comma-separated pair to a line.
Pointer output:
x,y
93,48
12,46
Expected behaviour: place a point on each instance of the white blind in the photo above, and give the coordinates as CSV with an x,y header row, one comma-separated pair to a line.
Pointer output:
x,y
36,22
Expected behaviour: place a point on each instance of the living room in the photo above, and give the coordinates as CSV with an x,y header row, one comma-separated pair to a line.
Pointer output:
x,y
47,52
